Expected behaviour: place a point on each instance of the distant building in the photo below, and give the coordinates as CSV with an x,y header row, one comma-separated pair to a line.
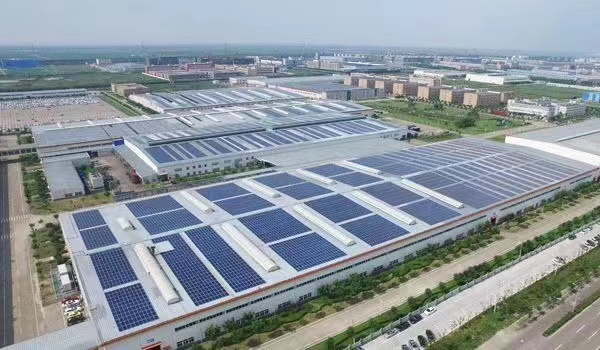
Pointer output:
x,y
506,95
571,109
103,61
591,97
545,108
128,89
386,85
428,93
453,96
497,79
62,177
429,81
478,99
406,89
439,73
351,80
366,83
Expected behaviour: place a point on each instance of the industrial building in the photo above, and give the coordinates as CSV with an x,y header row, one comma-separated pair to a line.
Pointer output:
x,y
439,73
425,80
157,272
497,78
386,85
428,93
330,91
578,141
545,108
477,99
163,102
406,89
62,177
128,89
591,97
22,95
453,95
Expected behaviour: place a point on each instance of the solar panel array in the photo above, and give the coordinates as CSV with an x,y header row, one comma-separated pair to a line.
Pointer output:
x,y
292,186
162,214
307,251
273,225
130,306
196,279
374,229
253,140
87,219
344,175
112,268
224,191
230,265
338,208
243,204
93,230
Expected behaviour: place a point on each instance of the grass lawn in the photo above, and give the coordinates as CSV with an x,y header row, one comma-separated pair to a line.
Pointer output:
x,y
498,138
424,113
533,90
48,247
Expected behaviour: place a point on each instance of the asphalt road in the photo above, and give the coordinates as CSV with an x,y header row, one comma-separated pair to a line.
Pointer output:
x,y
466,305
6,306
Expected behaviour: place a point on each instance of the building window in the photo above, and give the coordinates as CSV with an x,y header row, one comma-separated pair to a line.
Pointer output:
x,y
262,313
284,305
305,297
185,342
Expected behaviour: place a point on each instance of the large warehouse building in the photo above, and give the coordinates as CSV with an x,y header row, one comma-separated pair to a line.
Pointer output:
x,y
157,272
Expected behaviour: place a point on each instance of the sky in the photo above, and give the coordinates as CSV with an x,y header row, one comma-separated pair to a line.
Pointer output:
x,y
549,25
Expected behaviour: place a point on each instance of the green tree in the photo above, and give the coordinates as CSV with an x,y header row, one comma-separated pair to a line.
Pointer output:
x,y
330,344
465,122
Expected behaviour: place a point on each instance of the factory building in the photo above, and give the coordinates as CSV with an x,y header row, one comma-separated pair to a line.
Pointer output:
x,y
158,272
62,177
428,93
366,83
128,89
545,108
387,86
591,97
497,79
477,99
42,94
425,80
406,89
453,95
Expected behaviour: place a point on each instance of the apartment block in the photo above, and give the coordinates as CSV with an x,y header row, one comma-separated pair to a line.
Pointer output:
x,y
453,96
405,89
428,93
429,81
478,99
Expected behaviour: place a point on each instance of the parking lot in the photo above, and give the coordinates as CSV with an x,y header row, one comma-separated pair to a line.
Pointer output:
x,y
452,313
18,114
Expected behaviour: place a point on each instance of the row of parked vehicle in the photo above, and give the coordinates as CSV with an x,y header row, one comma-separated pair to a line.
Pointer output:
x,y
423,340
73,309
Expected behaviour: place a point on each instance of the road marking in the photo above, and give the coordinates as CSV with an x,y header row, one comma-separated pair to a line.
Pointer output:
x,y
580,328
593,334
558,347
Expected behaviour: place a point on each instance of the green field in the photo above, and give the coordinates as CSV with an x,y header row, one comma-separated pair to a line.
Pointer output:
x,y
533,91
425,113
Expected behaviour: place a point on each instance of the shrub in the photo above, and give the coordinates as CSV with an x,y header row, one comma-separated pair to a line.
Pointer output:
x,y
252,342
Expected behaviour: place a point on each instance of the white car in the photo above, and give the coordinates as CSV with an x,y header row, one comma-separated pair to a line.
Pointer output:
x,y
429,311
392,332
587,229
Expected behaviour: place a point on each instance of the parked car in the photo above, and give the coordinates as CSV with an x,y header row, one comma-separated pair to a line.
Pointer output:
x,y
590,243
559,261
415,318
403,326
414,344
392,332
430,335
422,340
585,247
429,311
405,347
587,229
572,236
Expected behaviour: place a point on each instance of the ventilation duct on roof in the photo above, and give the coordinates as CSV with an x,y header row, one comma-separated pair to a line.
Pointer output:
x,y
257,255
384,207
316,177
308,214
361,167
161,280
433,194
261,189
197,203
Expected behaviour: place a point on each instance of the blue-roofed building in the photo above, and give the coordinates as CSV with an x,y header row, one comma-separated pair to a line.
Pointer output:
x,y
591,97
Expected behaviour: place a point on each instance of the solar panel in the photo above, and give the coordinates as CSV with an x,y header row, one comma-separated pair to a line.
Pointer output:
x,y
356,179
392,194
304,190
278,180
214,193
172,152
401,169
216,145
431,180
230,265
97,237
195,278
237,144
338,208
429,211
243,204
193,150
112,268
87,219
169,221
273,225
470,196
153,206
329,170
307,251
130,306
159,155
374,229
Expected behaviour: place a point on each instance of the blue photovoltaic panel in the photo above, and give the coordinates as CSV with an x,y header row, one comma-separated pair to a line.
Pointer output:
x,y
215,193
97,237
401,169
182,150
195,278
87,219
214,144
172,220
278,180
159,155
304,190
432,180
273,225
293,136
391,194
207,148
193,150
112,268
373,161
130,307
172,152
429,211
374,229
243,204
230,265
237,144
338,208
329,170
307,251
356,179
153,206
469,196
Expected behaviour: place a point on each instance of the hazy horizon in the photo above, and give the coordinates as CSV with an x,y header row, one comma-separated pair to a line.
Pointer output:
x,y
533,25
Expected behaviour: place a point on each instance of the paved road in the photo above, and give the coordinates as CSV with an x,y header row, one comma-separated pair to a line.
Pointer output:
x,y
320,330
466,305
6,305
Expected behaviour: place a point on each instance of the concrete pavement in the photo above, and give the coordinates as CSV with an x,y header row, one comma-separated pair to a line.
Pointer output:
x,y
461,308
6,304
338,322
